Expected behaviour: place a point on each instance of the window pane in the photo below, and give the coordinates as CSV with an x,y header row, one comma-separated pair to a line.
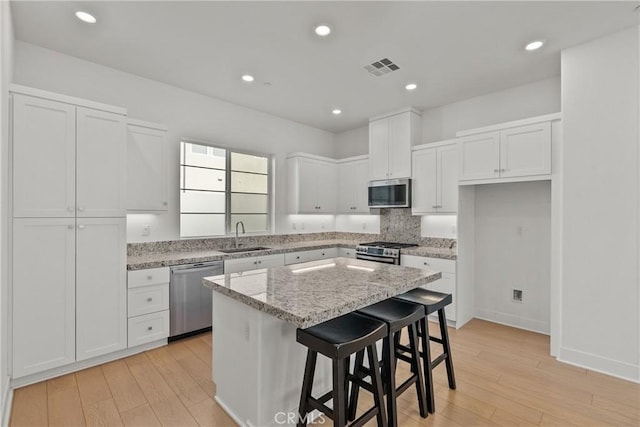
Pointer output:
x,y
247,163
202,155
249,183
249,203
251,222
203,179
194,225
202,201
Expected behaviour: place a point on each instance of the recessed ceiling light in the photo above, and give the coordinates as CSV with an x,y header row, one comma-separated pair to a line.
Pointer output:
x,y
323,30
534,45
248,78
336,111
411,86
86,17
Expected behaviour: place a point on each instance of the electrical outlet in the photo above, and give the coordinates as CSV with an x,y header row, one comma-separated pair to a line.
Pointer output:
x,y
146,230
516,295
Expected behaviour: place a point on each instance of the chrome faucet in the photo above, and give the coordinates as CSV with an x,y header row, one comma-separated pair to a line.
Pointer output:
x,y
237,224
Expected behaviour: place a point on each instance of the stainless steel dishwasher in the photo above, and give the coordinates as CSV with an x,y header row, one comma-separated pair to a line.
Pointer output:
x,y
189,300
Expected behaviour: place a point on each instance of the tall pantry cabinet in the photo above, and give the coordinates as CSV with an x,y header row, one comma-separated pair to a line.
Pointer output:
x,y
69,230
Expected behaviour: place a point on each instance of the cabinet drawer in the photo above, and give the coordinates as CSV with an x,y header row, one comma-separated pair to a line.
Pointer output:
x,y
436,264
148,299
268,261
151,276
148,327
296,257
317,254
347,252
237,265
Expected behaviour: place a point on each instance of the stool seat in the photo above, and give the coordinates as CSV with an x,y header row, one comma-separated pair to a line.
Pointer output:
x,y
432,301
340,337
397,314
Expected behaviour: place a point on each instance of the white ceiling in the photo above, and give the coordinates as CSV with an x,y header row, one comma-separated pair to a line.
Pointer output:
x,y
452,50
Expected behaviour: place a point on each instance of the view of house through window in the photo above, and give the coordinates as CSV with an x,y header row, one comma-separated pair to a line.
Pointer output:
x,y
219,187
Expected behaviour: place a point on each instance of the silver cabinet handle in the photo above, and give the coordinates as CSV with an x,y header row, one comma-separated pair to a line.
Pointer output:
x,y
503,170
71,209
149,299
149,277
426,263
150,328
297,257
81,227
70,227
164,203
259,262
496,170
80,208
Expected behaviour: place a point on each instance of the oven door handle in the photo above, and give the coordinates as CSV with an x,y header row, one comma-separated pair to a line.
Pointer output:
x,y
376,259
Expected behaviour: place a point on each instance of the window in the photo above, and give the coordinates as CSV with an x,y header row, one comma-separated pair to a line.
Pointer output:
x,y
219,187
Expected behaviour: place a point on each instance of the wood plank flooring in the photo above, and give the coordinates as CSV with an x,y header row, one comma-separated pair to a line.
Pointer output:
x,y
505,377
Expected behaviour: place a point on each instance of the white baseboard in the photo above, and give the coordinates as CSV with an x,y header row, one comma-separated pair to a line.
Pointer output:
x,y
78,366
514,321
6,407
593,362
232,414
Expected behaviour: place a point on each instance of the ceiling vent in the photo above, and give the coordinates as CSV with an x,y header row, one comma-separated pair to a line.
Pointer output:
x,y
381,67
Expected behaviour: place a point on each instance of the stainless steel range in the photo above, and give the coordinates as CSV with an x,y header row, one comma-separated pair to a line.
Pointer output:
x,y
386,252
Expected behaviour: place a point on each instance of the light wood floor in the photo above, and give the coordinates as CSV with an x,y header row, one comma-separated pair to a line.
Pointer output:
x,y
505,377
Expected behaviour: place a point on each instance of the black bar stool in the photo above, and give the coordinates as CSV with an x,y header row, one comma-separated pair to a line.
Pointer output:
x,y
397,315
432,302
338,339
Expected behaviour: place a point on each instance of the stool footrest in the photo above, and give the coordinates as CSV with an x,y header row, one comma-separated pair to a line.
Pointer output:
x,y
438,360
405,385
316,404
364,418
436,339
362,383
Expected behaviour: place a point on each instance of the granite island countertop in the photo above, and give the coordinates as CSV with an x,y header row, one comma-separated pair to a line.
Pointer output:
x,y
154,259
310,293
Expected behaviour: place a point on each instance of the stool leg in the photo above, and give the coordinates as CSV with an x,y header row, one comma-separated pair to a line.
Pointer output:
x,y
426,362
347,363
416,369
355,388
307,385
339,397
444,334
389,360
376,382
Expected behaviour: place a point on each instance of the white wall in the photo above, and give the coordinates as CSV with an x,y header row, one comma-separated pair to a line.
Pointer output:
x,y
600,320
520,102
354,142
6,76
187,114
512,251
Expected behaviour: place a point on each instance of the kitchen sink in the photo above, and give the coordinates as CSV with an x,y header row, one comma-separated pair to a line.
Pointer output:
x,y
236,250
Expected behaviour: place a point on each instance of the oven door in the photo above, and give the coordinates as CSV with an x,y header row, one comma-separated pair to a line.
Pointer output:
x,y
393,193
378,258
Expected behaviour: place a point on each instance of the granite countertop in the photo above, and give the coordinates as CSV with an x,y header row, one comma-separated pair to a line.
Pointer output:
x,y
310,293
154,259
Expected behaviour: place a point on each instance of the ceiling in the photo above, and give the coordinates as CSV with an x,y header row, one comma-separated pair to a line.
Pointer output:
x,y
452,50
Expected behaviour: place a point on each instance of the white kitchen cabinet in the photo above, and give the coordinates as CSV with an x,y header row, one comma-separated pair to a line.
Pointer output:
x,y
353,179
43,294
515,151
390,140
253,263
101,287
312,185
435,179
446,284
312,255
148,305
146,167
346,252
148,327
67,160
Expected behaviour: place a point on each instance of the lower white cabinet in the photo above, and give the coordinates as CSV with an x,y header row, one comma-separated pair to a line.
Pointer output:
x,y
69,291
253,263
446,284
312,255
148,305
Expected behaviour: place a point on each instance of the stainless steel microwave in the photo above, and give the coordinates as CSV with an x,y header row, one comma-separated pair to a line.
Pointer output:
x,y
390,193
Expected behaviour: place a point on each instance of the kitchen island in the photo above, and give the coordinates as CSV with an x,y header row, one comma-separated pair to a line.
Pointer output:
x,y
257,363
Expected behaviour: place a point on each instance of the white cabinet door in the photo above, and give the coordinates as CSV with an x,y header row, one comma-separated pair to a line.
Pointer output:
x,y
307,185
448,179
360,186
480,156
239,264
101,163
146,169
101,287
345,189
400,146
326,185
44,158
525,150
424,184
346,252
379,149
43,294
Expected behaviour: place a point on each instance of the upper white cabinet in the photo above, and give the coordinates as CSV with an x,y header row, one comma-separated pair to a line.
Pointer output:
x,y
67,161
146,167
312,184
390,140
353,177
512,150
435,178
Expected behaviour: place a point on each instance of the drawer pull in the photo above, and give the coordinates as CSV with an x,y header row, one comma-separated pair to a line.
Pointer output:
x,y
149,299
150,328
149,277
426,263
